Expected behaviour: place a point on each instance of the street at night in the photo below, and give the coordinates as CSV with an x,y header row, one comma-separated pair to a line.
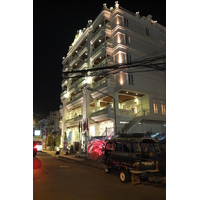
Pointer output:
x,y
107,80
62,179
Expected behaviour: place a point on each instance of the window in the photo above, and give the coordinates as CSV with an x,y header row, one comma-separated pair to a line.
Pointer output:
x,y
130,79
147,32
128,40
163,108
155,108
128,58
126,22
118,147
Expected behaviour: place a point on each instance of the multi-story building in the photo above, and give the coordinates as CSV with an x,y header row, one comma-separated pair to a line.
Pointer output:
x,y
42,126
130,97
50,124
54,120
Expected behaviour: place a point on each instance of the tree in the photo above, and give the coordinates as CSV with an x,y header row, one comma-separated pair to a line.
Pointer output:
x,y
58,140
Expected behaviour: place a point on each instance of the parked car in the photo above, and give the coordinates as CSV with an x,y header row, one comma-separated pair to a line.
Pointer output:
x,y
125,154
38,145
34,149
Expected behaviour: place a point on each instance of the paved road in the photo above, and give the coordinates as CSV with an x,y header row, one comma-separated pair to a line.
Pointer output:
x,y
57,179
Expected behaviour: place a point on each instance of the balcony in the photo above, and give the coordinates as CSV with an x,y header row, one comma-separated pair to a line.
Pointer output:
x,y
77,84
98,34
101,115
76,100
83,50
100,50
74,60
83,64
62,96
64,83
74,121
65,68
104,85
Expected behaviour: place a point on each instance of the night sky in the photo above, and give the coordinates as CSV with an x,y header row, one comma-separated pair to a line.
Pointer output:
x,y
55,24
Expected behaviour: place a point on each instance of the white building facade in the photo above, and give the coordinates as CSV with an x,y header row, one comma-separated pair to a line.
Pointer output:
x,y
130,100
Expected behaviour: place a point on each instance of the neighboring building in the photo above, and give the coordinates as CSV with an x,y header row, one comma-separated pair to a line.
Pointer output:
x,y
42,125
116,37
49,125
54,120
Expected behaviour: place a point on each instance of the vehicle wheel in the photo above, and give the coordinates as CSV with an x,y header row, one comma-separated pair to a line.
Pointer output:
x,y
123,176
107,169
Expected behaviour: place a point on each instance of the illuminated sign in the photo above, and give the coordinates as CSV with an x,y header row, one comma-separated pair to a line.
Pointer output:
x,y
37,132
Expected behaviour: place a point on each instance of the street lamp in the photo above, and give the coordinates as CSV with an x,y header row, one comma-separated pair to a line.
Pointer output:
x,y
91,89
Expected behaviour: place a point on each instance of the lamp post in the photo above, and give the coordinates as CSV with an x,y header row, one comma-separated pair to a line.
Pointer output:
x,y
91,89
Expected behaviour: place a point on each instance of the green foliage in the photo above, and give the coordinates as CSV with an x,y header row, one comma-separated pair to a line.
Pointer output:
x,y
49,140
58,140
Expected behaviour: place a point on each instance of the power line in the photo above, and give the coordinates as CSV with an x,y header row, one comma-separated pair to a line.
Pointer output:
x,y
154,63
137,62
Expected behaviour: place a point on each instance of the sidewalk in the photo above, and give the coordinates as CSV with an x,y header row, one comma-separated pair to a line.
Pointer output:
x,y
81,159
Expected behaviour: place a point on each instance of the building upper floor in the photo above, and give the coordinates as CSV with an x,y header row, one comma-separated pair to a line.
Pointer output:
x,y
134,94
116,37
115,29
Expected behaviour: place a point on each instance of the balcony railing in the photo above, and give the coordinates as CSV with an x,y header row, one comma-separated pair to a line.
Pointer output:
x,y
83,50
102,113
100,47
76,83
81,65
75,119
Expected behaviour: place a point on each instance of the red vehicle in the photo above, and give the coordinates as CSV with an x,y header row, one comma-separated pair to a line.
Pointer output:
x,y
34,148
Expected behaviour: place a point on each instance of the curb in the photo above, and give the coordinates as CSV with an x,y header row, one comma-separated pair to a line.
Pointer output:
x,y
84,161
77,159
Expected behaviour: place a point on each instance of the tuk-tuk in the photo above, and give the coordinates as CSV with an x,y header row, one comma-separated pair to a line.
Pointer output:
x,y
131,154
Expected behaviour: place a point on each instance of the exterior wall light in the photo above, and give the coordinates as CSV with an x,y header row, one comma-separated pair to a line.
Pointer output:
x,y
66,95
118,39
116,4
120,59
88,80
121,78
